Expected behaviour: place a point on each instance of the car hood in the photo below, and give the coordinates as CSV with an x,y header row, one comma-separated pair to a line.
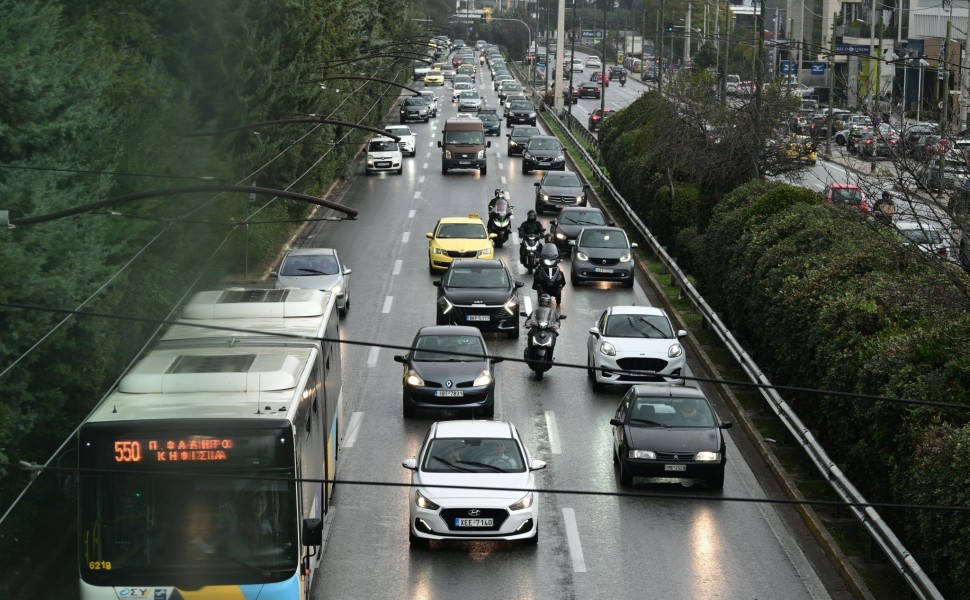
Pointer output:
x,y
521,111
472,295
561,190
544,153
462,244
687,440
455,371
381,155
604,252
488,497
641,346
309,282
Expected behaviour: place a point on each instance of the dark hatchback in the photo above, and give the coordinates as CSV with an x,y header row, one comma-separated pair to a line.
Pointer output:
x,y
602,254
522,111
448,368
558,189
668,431
589,89
543,153
414,109
491,121
570,222
519,137
480,293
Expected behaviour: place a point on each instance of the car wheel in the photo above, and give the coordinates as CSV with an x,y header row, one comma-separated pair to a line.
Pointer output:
x,y
403,121
414,153
484,170
426,119
625,477
407,409
590,369
418,542
717,481
525,169
629,282
573,279
400,170
539,374
444,170
508,123
489,411
514,334
532,541
533,122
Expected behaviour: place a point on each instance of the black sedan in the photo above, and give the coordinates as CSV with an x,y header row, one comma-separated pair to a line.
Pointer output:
x,y
414,108
668,431
519,137
570,222
558,189
491,121
522,111
602,254
589,89
543,153
480,293
448,368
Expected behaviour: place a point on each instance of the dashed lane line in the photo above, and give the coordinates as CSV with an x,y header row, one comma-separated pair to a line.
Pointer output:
x,y
572,537
553,429
353,428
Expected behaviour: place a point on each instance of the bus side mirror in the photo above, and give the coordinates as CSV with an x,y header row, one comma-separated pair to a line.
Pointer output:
x,y
312,532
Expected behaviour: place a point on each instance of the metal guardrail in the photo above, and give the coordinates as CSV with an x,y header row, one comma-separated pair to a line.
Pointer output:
x,y
878,529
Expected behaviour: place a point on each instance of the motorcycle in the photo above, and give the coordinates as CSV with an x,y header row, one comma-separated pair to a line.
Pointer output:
x,y
500,221
531,246
548,278
543,327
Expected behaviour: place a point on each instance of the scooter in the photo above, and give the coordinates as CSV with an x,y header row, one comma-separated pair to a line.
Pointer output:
x,y
531,247
543,332
500,222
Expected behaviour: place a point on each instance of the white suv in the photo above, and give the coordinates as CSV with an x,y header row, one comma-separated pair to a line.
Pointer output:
x,y
383,154
407,138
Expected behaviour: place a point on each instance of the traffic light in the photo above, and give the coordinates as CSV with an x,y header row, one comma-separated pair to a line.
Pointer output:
x,y
670,27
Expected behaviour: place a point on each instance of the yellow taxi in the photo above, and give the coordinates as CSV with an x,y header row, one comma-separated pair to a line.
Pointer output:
x,y
458,237
434,77
802,148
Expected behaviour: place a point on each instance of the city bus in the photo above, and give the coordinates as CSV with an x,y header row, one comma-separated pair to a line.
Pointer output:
x,y
201,474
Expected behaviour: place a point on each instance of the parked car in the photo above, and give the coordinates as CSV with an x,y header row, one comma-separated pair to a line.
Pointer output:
x,y
486,458
928,237
668,432
316,269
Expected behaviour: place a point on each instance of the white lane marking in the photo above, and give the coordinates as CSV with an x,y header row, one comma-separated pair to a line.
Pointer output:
x,y
420,180
397,267
425,165
497,395
353,429
572,536
372,356
527,301
387,304
504,181
417,194
501,167
405,237
553,430
411,212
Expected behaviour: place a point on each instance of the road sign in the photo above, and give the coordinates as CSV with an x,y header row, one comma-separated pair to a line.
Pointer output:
x,y
818,68
788,67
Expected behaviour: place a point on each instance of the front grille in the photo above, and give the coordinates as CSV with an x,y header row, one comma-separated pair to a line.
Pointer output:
x,y
457,254
498,515
604,262
562,200
465,155
498,313
635,363
671,456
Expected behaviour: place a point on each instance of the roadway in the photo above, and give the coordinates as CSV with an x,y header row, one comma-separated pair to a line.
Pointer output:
x,y
688,545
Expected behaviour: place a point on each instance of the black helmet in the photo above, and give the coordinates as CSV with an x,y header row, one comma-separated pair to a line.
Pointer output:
x,y
545,300
531,215
550,253
885,195
499,193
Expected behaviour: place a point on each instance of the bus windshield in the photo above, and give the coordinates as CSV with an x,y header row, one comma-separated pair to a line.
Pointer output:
x,y
221,519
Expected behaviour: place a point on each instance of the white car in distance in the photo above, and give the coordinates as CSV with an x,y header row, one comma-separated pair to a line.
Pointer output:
x,y
433,99
407,141
488,456
458,88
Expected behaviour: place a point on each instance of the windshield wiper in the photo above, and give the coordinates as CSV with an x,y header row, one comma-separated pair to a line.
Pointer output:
x,y
649,422
482,465
314,271
450,464
663,335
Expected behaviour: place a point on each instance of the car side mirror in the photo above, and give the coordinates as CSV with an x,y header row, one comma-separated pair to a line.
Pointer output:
x,y
436,283
519,284
572,242
537,184
611,223
488,144
274,274
347,271
537,464
617,422
594,331
725,425
634,245
312,532
561,317
401,358
492,236
429,235
522,313
411,464
439,143
496,359
681,333
508,135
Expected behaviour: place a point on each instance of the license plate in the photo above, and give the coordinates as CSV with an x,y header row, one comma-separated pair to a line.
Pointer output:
x,y
474,522
602,270
464,162
383,164
476,318
675,467
449,393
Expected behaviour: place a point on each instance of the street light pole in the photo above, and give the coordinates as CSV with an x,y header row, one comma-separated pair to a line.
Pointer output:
x,y
603,68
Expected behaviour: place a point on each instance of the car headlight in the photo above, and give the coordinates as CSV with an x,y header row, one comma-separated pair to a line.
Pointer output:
x,y
511,306
337,290
446,305
526,154
560,236
545,197
513,143
413,379
707,456
581,256
422,501
580,198
484,378
675,351
524,503
559,158
625,258
531,115
484,252
448,154
437,250
370,161
607,349
481,154
648,454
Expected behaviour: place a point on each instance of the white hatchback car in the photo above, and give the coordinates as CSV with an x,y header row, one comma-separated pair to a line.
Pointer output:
x,y
483,454
433,99
593,62
628,340
407,138
383,154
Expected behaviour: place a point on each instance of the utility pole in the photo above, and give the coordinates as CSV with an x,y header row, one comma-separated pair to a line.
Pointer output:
x,y
760,29
603,68
944,115
660,35
828,138
572,57
687,39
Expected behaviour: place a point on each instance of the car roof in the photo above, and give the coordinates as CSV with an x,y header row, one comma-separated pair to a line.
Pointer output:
x,y
916,225
381,138
668,391
450,330
491,263
396,128
844,186
636,310
461,220
311,252
579,209
544,137
483,429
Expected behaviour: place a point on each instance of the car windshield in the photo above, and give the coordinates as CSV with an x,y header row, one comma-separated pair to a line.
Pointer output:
x,y
467,231
460,86
562,180
544,144
309,264
922,235
388,146
524,132
581,217
490,117
670,412
399,131
465,138
414,101
476,277
638,326
473,455
470,94
522,106
512,87
603,239
847,197
448,348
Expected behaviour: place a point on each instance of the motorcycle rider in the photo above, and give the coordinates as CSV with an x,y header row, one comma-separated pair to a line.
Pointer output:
x,y
500,204
622,78
884,208
530,225
545,301
500,194
548,278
